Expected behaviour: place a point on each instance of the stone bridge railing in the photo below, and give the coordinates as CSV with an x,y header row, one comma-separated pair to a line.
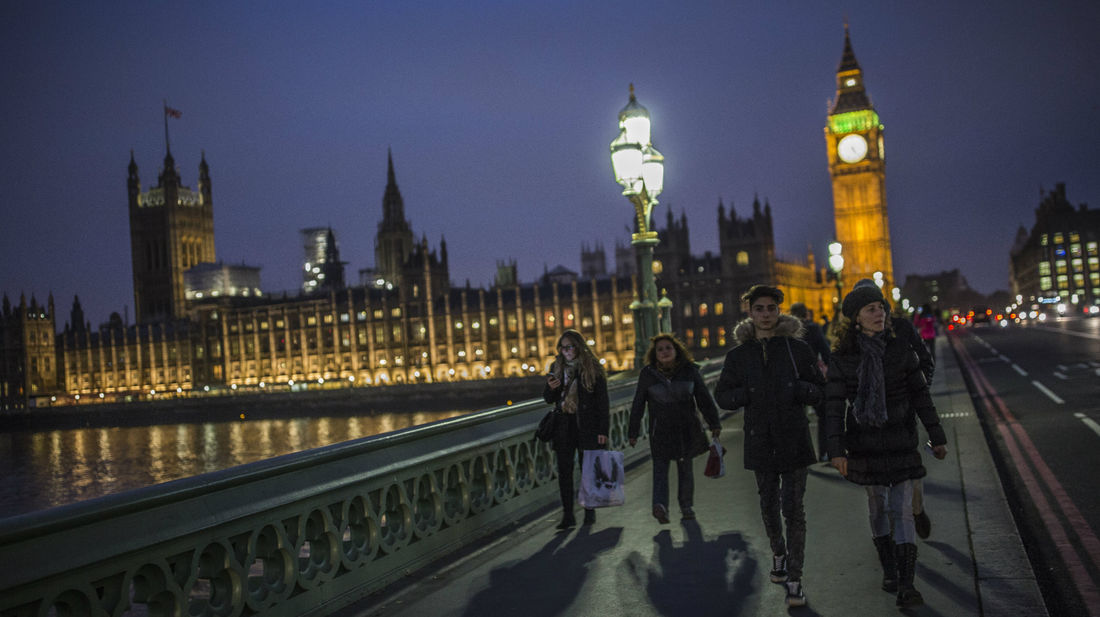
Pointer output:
x,y
302,534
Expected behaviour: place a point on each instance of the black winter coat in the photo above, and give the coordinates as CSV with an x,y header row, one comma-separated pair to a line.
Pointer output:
x,y
593,415
890,453
773,380
674,428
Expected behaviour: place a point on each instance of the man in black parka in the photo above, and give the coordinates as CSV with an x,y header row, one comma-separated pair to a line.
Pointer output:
x,y
773,374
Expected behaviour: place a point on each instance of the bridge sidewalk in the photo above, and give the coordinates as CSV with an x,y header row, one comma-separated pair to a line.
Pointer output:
x,y
627,564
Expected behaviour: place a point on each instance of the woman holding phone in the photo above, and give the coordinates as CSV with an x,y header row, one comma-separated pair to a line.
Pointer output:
x,y
577,387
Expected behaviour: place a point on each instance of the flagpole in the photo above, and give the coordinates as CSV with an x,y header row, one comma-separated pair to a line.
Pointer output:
x,y
167,144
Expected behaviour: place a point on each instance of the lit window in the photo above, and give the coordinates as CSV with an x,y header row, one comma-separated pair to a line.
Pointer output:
x,y
1091,248
1044,283
719,308
1058,238
395,312
742,258
1075,250
1044,267
1043,240
687,310
548,319
1063,282
703,313
605,320
1074,236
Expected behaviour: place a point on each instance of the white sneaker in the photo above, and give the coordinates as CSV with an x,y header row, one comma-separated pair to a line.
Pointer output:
x,y
795,595
779,568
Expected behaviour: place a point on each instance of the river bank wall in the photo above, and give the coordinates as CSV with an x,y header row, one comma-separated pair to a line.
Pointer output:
x,y
458,395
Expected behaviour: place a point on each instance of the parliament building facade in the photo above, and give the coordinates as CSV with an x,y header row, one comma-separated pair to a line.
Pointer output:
x,y
405,322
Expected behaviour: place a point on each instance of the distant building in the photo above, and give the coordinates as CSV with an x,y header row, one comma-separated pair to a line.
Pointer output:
x,y
28,359
593,262
321,267
1058,260
855,138
209,280
171,230
945,290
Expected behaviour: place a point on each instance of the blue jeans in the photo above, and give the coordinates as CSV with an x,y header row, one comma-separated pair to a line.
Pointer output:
x,y
685,483
891,508
783,492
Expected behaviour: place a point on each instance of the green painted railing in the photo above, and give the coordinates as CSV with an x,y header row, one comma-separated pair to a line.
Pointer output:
x,y
302,534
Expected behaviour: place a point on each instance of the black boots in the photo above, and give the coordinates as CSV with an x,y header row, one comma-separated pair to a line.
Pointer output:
x,y
589,517
907,567
885,547
567,520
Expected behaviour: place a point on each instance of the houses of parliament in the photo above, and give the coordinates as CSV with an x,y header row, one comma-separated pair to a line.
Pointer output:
x,y
205,327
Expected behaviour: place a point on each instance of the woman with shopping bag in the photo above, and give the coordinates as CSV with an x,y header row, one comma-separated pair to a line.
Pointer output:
x,y
671,385
577,386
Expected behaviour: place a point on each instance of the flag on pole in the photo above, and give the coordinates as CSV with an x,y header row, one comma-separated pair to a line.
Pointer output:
x,y
175,113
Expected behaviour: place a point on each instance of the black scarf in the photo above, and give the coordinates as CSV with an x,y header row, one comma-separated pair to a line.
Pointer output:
x,y
869,407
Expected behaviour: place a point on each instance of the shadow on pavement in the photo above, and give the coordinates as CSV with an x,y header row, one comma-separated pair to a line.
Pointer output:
x,y
558,564
697,578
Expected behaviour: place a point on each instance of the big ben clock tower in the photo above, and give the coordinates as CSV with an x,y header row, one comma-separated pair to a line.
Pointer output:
x,y
857,165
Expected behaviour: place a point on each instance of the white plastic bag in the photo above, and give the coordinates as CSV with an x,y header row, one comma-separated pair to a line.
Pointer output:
x,y
716,461
602,479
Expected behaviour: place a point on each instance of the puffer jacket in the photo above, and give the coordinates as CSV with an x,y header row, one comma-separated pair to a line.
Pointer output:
x,y
773,380
890,453
593,415
674,428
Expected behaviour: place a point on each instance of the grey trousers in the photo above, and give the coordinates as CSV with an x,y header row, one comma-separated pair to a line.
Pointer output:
x,y
781,493
891,508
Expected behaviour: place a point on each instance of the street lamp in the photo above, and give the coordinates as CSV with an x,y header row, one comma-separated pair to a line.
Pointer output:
x,y
836,265
640,169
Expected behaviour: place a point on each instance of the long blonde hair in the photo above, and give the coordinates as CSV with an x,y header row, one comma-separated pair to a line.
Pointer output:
x,y
587,364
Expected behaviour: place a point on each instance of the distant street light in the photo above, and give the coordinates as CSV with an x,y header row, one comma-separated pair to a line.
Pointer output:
x,y
640,169
836,266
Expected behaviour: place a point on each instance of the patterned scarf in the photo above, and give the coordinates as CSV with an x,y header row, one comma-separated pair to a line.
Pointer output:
x,y
869,407
569,403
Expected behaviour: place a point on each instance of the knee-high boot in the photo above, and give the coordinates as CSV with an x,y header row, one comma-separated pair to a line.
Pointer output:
x,y
885,547
907,568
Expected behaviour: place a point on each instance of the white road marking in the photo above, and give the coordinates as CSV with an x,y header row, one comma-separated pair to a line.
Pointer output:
x,y
1089,422
1060,376
1045,390
1019,370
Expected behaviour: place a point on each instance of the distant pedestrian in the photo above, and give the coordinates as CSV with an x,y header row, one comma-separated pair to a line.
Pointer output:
x,y
926,325
577,387
875,394
671,385
773,374
815,338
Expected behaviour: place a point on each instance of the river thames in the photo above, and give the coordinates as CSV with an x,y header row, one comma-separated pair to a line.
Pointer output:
x,y
50,468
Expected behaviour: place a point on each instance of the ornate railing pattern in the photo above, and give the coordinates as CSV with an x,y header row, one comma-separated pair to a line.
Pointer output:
x,y
302,534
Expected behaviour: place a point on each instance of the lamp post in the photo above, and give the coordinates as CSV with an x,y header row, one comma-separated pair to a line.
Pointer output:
x,y
640,169
836,265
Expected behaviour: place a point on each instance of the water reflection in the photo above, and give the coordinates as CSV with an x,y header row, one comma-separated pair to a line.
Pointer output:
x,y
46,469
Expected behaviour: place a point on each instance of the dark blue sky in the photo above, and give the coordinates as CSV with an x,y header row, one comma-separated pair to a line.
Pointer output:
x,y
499,115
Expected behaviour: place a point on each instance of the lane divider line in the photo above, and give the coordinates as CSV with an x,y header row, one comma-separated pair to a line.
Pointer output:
x,y
1016,367
1089,422
1045,390
1018,442
1060,376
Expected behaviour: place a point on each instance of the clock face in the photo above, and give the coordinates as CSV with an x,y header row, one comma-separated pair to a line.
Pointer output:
x,y
852,148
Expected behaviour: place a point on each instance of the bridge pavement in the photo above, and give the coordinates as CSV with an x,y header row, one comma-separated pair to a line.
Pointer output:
x,y
627,564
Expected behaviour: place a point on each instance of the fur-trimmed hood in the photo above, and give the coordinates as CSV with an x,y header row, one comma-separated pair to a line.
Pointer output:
x,y
787,326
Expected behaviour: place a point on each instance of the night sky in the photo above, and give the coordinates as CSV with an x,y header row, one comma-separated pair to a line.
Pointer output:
x,y
499,116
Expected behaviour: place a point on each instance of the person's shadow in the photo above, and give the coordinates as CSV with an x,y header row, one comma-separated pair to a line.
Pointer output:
x,y
698,578
546,583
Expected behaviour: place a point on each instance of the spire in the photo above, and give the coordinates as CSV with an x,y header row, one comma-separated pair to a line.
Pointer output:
x,y
850,93
204,178
393,205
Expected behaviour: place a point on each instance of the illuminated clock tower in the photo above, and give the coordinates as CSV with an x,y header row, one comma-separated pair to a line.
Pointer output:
x,y
857,165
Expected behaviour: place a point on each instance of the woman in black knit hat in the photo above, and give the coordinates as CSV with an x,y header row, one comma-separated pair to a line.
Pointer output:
x,y
875,393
